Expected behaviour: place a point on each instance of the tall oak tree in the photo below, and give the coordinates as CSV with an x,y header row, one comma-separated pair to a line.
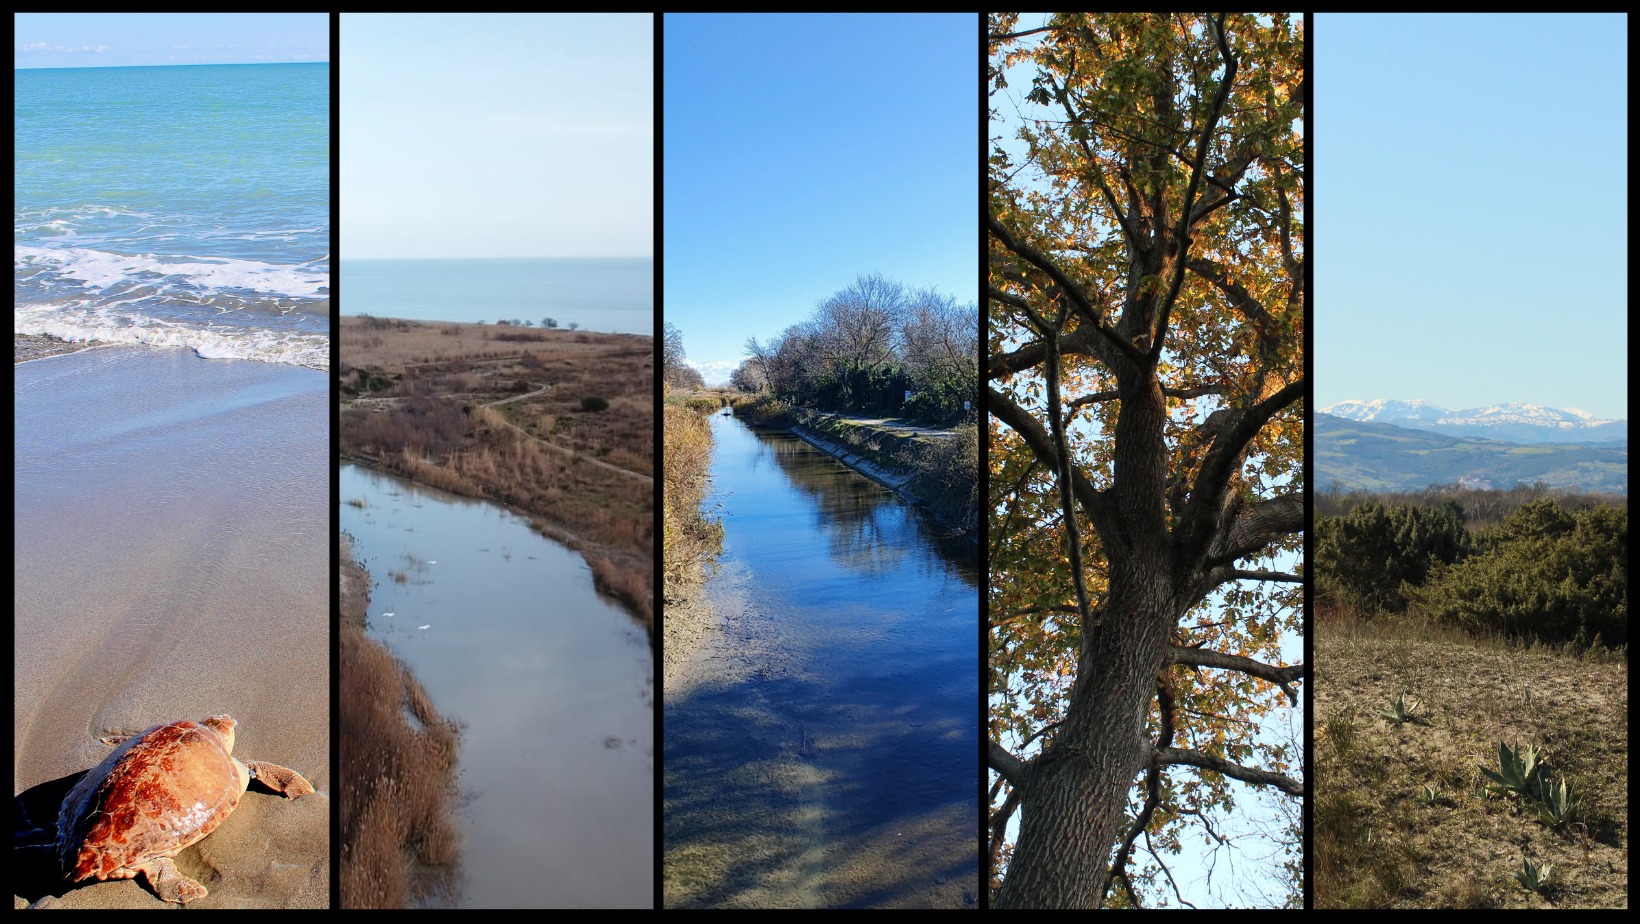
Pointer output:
x,y
1145,387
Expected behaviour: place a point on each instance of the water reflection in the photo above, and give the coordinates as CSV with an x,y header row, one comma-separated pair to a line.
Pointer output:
x,y
830,758
552,684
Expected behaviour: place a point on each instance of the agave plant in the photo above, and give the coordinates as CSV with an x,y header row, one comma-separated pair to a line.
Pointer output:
x,y
1518,772
1401,712
1431,795
1532,877
1557,804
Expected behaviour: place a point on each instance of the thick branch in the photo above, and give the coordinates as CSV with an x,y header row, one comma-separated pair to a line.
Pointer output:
x,y
1073,533
1237,574
999,828
1256,526
1072,291
1207,657
1202,528
1166,757
1013,615
1100,397
1006,764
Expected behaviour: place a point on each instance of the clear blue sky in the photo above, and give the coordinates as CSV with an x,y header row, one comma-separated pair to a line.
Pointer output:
x,y
804,150
496,135
129,39
1470,201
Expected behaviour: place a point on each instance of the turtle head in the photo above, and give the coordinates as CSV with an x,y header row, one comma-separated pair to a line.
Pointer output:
x,y
222,725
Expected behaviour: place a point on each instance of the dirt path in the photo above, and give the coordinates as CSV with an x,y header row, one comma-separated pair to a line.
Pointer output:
x,y
646,479
392,402
895,425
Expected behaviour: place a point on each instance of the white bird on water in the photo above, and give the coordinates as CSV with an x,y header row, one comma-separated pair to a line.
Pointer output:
x,y
428,626
432,563
388,615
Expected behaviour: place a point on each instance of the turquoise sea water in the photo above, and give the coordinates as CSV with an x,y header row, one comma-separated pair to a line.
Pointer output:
x,y
176,206
613,294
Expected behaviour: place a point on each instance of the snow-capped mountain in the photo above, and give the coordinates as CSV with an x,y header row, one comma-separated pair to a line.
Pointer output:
x,y
1518,423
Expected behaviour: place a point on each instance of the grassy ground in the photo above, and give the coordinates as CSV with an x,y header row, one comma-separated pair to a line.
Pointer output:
x,y
557,424
1379,840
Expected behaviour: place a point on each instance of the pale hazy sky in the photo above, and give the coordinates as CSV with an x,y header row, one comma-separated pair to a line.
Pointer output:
x,y
131,39
496,135
1471,209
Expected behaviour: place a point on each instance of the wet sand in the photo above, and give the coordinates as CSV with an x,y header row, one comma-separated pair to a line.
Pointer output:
x,y
172,561
34,346
688,625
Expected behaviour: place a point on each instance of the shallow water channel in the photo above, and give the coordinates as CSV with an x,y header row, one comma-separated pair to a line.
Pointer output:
x,y
553,685
823,749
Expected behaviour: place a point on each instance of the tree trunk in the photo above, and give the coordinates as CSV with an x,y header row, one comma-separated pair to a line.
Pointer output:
x,y
1075,795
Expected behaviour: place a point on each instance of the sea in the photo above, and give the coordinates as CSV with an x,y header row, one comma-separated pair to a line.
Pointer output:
x,y
176,206
608,294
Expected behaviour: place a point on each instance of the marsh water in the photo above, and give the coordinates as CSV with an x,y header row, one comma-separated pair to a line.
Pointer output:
x,y
552,684
823,750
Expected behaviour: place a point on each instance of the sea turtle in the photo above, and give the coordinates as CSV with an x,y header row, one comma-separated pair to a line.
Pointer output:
x,y
158,793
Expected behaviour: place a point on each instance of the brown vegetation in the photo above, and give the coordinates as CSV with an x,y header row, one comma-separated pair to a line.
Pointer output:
x,y
398,837
690,539
1403,815
502,414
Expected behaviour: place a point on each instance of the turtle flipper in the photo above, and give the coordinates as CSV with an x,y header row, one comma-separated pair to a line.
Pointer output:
x,y
168,882
280,779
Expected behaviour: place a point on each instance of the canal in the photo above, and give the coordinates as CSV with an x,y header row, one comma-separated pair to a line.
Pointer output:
x,y
823,749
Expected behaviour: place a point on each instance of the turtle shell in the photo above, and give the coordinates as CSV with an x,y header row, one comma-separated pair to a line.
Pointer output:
x,y
154,795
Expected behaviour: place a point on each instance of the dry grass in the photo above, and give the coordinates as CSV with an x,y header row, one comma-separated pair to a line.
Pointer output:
x,y
690,539
1378,843
419,401
397,756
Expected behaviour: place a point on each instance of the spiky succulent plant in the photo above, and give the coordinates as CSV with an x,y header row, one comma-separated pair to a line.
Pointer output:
x,y
1532,877
1518,771
1401,712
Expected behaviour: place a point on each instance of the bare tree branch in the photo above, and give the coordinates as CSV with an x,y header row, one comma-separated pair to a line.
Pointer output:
x,y
1166,757
1157,857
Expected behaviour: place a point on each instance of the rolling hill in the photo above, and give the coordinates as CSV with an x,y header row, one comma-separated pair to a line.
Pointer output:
x,y
1355,455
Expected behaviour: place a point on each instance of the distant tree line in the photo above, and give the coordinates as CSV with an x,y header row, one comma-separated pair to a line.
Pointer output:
x,y
1478,506
1553,570
874,347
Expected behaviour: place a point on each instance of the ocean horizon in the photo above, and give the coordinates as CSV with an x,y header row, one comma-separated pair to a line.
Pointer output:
x,y
176,205
606,294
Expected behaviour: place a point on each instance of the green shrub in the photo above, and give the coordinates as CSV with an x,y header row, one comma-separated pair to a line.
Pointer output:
x,y
1366,556
1546,575
594,403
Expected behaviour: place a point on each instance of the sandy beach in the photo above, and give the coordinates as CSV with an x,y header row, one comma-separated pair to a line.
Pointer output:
x,y
172,562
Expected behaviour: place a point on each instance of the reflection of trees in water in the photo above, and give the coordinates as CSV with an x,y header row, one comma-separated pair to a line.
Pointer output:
x,y
866,528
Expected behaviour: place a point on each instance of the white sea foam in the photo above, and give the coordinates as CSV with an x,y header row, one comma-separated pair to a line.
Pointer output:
x,y
97,270
78,324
